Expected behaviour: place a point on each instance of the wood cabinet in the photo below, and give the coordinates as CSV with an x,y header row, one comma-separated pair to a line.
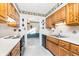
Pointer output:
x,y
13,24
72,14
73,54
54,40
53,48
75,48
61,48
12,12
63,52
60,15
64,44
3,12
68,14
49,23
49,45
16,50
8,9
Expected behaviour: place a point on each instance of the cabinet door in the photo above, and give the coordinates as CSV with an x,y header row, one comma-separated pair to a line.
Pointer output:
x,y
63,52
55,49
70,13
62,13
64,44
16,50
54,40
76,12
3,11
9,9
47,25
52,47
49,22
75,48
73,54
49,45
12,12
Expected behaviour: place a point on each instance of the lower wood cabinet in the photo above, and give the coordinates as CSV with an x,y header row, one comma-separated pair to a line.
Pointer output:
x,y
61,47
73,54
64,44
63,52
52,47
16,50
75,48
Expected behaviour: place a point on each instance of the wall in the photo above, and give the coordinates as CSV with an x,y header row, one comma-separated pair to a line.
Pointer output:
x,y
34,25
66,30
6,30
31,18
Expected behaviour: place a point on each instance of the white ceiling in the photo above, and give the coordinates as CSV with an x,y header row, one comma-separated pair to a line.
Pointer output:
x,y
41,8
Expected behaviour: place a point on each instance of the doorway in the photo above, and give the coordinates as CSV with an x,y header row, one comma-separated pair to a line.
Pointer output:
x,y
33,28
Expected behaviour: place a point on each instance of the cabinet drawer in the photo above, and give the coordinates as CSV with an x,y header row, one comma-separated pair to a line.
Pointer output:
x,y
75,48
63,52
73,54
54,40
48,45
64,44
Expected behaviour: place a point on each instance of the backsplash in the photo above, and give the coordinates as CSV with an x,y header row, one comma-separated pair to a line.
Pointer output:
x,y
66,30
6,30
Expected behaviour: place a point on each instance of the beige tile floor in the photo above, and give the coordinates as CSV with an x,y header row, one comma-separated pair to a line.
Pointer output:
x,y
34,49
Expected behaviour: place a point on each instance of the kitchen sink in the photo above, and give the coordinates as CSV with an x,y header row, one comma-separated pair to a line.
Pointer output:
x,y
16,37
8,37
60,36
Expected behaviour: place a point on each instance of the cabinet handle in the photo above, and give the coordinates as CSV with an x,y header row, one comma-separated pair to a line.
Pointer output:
x,y
76,19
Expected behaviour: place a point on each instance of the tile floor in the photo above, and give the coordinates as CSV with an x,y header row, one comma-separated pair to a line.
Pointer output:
x,y
34,49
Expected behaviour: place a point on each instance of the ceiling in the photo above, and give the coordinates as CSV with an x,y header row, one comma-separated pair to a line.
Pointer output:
x,y
39,9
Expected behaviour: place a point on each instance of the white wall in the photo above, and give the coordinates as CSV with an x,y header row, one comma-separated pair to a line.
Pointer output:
x,y
23,32
67,30
34,25
6,30
32,18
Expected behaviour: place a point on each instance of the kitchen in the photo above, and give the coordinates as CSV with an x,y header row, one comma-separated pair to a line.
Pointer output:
x,y
40,29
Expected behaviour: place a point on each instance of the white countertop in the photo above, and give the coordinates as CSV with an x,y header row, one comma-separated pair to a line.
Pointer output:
x,y
73,39
6,45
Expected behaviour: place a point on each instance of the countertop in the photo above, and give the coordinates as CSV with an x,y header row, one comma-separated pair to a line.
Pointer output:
x,y
6,45
73,39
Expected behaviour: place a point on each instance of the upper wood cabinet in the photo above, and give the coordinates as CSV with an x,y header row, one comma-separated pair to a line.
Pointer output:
x,y
49,23
72,14
58,16
68,14
8,9
12,12
3,12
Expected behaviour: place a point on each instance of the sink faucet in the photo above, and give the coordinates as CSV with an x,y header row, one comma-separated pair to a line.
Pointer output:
x,y
59,34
